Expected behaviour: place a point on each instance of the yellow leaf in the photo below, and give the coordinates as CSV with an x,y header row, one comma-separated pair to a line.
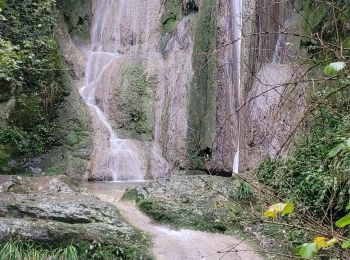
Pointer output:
x,y
331,242
320,242
270,214
278,207
288,208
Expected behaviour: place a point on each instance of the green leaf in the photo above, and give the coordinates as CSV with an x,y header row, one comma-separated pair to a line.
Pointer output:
x,y
333,68
344,221
335,150
345,244
307,250
288,209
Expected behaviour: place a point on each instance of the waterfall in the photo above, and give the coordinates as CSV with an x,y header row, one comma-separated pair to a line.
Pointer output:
x,y
113,158
237,27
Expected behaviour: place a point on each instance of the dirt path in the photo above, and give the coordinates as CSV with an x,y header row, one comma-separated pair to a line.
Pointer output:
x,y
171,244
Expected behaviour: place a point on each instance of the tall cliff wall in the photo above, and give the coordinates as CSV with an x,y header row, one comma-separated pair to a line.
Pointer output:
x,y
185,56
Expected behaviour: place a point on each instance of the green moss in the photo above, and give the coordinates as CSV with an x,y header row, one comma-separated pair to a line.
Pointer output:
x,y
135,101
78,16
172,14
312,16
72,139
202,93
184,217
55,170
130,195
2,4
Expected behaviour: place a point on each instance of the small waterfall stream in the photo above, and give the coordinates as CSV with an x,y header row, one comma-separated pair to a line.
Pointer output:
x,y
237,26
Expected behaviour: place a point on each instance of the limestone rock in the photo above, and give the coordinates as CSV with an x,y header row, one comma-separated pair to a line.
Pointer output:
x,y
54,209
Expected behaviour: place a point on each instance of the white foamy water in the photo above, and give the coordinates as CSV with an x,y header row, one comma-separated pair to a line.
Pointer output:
x,y
237,26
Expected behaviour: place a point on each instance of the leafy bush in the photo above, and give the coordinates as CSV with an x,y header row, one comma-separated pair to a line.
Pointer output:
x,y
31,71
241,191
33,142
313,174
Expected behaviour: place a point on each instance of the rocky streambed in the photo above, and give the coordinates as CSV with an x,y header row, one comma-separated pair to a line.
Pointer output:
x,y
55,210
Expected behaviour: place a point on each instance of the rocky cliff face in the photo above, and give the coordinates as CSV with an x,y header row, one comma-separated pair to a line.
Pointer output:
x,y
274,101
173,92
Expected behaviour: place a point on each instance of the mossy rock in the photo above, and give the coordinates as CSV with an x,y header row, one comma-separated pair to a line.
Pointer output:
x,y
78,16
172,14
134,102
202,97
130,195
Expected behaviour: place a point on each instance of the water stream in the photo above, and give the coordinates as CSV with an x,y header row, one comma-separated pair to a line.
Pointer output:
x,y
237,27
169,244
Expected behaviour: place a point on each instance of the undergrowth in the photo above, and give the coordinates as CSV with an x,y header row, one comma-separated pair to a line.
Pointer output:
x,y
311,175
204,213
29,250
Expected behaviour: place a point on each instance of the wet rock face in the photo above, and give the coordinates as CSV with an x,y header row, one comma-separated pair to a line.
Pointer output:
x,y
189,6
275,97
54,209
184,96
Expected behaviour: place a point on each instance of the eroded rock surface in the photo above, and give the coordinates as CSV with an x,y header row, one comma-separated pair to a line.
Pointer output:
x,y
203,202
54,209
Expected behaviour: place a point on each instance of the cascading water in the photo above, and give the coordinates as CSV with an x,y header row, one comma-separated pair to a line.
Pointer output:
x,y
237,26
113,158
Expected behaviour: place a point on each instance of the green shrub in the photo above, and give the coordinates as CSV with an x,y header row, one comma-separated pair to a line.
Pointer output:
x,y
130,195
26,250
31,71
28,142
241,191
313,174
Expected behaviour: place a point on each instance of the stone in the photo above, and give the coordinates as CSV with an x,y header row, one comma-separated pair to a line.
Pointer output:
x,y
6,186
54,209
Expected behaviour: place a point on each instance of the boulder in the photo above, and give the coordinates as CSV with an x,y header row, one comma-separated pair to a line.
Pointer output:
x,y
55,209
